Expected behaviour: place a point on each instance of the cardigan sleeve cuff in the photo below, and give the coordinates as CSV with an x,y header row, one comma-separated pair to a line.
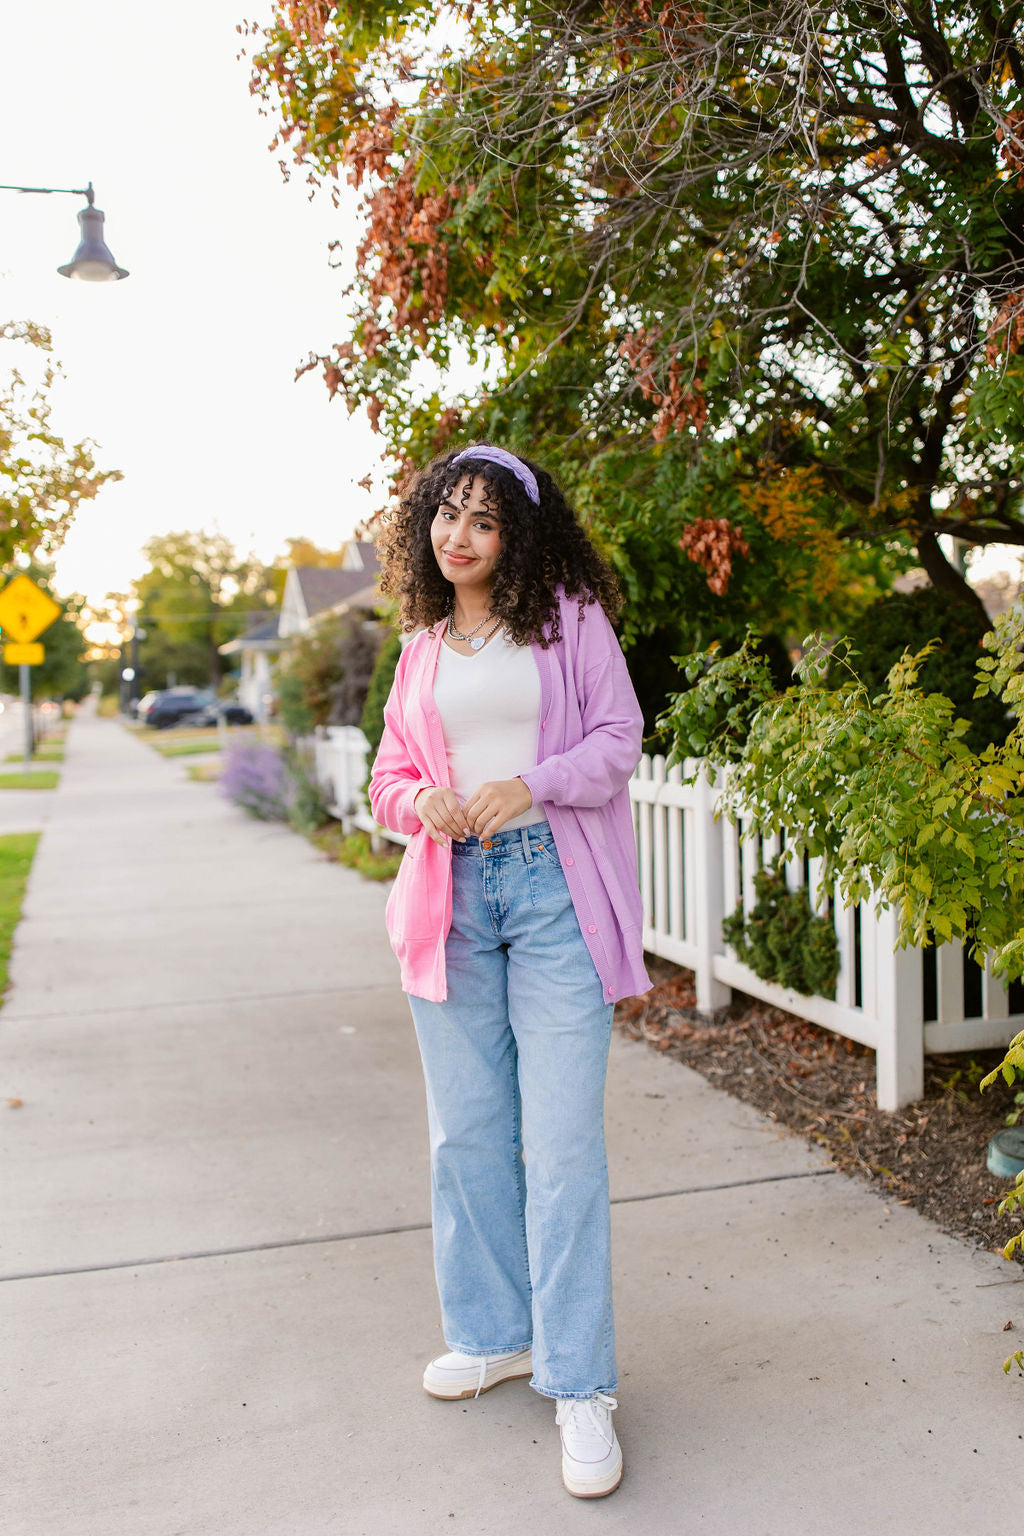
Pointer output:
x,y
543,782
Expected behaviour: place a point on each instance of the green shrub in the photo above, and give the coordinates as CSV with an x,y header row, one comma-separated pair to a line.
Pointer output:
x,y
323,677
783,940
906,621
304,798
372,721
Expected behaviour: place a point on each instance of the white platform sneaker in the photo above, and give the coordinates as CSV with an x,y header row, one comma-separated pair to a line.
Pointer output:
x,y
457,1375
591,1454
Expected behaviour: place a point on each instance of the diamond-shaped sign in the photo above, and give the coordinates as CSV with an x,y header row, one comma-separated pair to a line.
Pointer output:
x,y
26,610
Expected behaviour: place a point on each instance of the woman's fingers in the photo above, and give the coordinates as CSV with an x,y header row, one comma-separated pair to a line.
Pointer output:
x,y
494,803
442,817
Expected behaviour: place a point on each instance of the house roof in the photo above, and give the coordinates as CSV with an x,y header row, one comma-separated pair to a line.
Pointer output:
x,y
262,635
325,587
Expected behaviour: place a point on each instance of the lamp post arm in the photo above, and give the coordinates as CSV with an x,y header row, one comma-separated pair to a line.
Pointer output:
x,y
72,191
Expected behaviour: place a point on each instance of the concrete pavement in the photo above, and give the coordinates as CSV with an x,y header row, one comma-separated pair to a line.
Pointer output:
x,y
217,1291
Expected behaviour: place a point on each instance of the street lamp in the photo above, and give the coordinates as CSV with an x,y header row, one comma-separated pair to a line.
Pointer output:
x,y
92,262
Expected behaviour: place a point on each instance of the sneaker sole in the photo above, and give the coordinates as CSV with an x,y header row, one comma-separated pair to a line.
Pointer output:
x,y
594,1490
455,1397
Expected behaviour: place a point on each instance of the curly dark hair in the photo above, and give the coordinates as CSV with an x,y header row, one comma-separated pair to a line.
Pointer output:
x,y
543,548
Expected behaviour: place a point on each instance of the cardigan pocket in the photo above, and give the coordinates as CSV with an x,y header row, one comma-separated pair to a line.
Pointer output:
x,y
412,907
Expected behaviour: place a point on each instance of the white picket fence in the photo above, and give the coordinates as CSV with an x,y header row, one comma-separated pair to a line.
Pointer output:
x,y
695,869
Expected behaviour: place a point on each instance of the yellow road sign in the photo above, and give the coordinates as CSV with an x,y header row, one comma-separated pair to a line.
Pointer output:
x,y
24,655
25,609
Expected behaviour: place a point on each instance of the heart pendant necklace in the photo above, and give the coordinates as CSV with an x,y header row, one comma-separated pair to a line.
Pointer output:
x,y
479,641
475,639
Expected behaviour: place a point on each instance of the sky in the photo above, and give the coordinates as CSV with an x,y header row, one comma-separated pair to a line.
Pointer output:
x,y
183,373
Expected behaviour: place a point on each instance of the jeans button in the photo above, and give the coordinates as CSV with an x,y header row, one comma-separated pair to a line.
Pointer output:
x,y
486,843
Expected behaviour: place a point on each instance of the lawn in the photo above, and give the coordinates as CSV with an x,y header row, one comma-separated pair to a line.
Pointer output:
x,y
17,851
185,748
45,778
43,755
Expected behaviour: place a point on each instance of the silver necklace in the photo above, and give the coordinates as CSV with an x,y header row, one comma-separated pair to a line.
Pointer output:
x,y
457,633
476,640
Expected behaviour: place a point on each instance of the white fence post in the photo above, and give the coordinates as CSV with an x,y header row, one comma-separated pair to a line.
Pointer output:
x,y
899,1009
708,897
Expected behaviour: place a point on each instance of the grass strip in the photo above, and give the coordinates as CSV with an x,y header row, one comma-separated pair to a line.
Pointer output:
x,y
17,850
185,748
204,773
46,778
355,851
44,755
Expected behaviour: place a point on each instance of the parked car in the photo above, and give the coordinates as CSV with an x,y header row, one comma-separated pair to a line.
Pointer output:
x,y
140,709
193,706
182,706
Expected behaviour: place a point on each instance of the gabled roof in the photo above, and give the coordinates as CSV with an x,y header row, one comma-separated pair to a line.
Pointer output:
x,y
261,635
313,591
326,587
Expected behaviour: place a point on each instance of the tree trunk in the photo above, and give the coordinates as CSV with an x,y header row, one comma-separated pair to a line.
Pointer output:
x,y
946,577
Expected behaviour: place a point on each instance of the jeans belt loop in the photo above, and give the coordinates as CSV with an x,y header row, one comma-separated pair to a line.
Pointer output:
x,y
524,833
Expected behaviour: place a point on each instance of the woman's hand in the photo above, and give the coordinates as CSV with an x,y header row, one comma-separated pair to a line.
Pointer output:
x,y
441,814
489,807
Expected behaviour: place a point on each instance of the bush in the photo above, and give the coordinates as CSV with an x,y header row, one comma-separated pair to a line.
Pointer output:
x,y
254,777
325,674
304,798
906,621
372,722
783,940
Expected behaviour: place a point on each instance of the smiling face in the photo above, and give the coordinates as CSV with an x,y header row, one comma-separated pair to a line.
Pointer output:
x,y
466,536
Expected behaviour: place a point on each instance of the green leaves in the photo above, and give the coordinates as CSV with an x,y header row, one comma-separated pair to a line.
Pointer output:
x,y
881,786
43,480
712,719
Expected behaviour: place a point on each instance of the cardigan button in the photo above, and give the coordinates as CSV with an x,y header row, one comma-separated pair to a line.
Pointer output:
x,y
570,862
592,928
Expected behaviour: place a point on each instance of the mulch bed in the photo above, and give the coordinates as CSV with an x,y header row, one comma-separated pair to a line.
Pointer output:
x,y
930,1155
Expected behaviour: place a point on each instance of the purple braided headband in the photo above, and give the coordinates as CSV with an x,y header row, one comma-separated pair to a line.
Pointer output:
x,y
522,472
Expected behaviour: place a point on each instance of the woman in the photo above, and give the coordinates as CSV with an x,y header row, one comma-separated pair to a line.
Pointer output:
x,y
510,734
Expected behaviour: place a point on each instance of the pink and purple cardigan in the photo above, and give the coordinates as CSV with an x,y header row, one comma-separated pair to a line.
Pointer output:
x,y
589,745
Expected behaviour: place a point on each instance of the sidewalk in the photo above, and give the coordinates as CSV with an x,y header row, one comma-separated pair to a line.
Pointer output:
x,y
215,1248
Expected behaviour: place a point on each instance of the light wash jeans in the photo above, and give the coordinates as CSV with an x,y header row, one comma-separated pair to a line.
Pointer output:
x,y
518,1055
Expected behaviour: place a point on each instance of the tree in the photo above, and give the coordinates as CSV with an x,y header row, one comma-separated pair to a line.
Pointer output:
x,y
197,594
42,479
769,256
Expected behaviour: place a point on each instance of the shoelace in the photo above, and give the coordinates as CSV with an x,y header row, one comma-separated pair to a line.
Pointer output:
x,y
591,1416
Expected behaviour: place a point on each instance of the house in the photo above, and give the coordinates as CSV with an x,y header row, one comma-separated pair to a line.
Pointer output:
x,y
311,593
257,648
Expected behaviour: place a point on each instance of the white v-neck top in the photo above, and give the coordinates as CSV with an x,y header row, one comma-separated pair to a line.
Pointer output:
x,y
489,705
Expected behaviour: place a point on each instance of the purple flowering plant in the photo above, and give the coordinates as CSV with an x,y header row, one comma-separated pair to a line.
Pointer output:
x,y
254,776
